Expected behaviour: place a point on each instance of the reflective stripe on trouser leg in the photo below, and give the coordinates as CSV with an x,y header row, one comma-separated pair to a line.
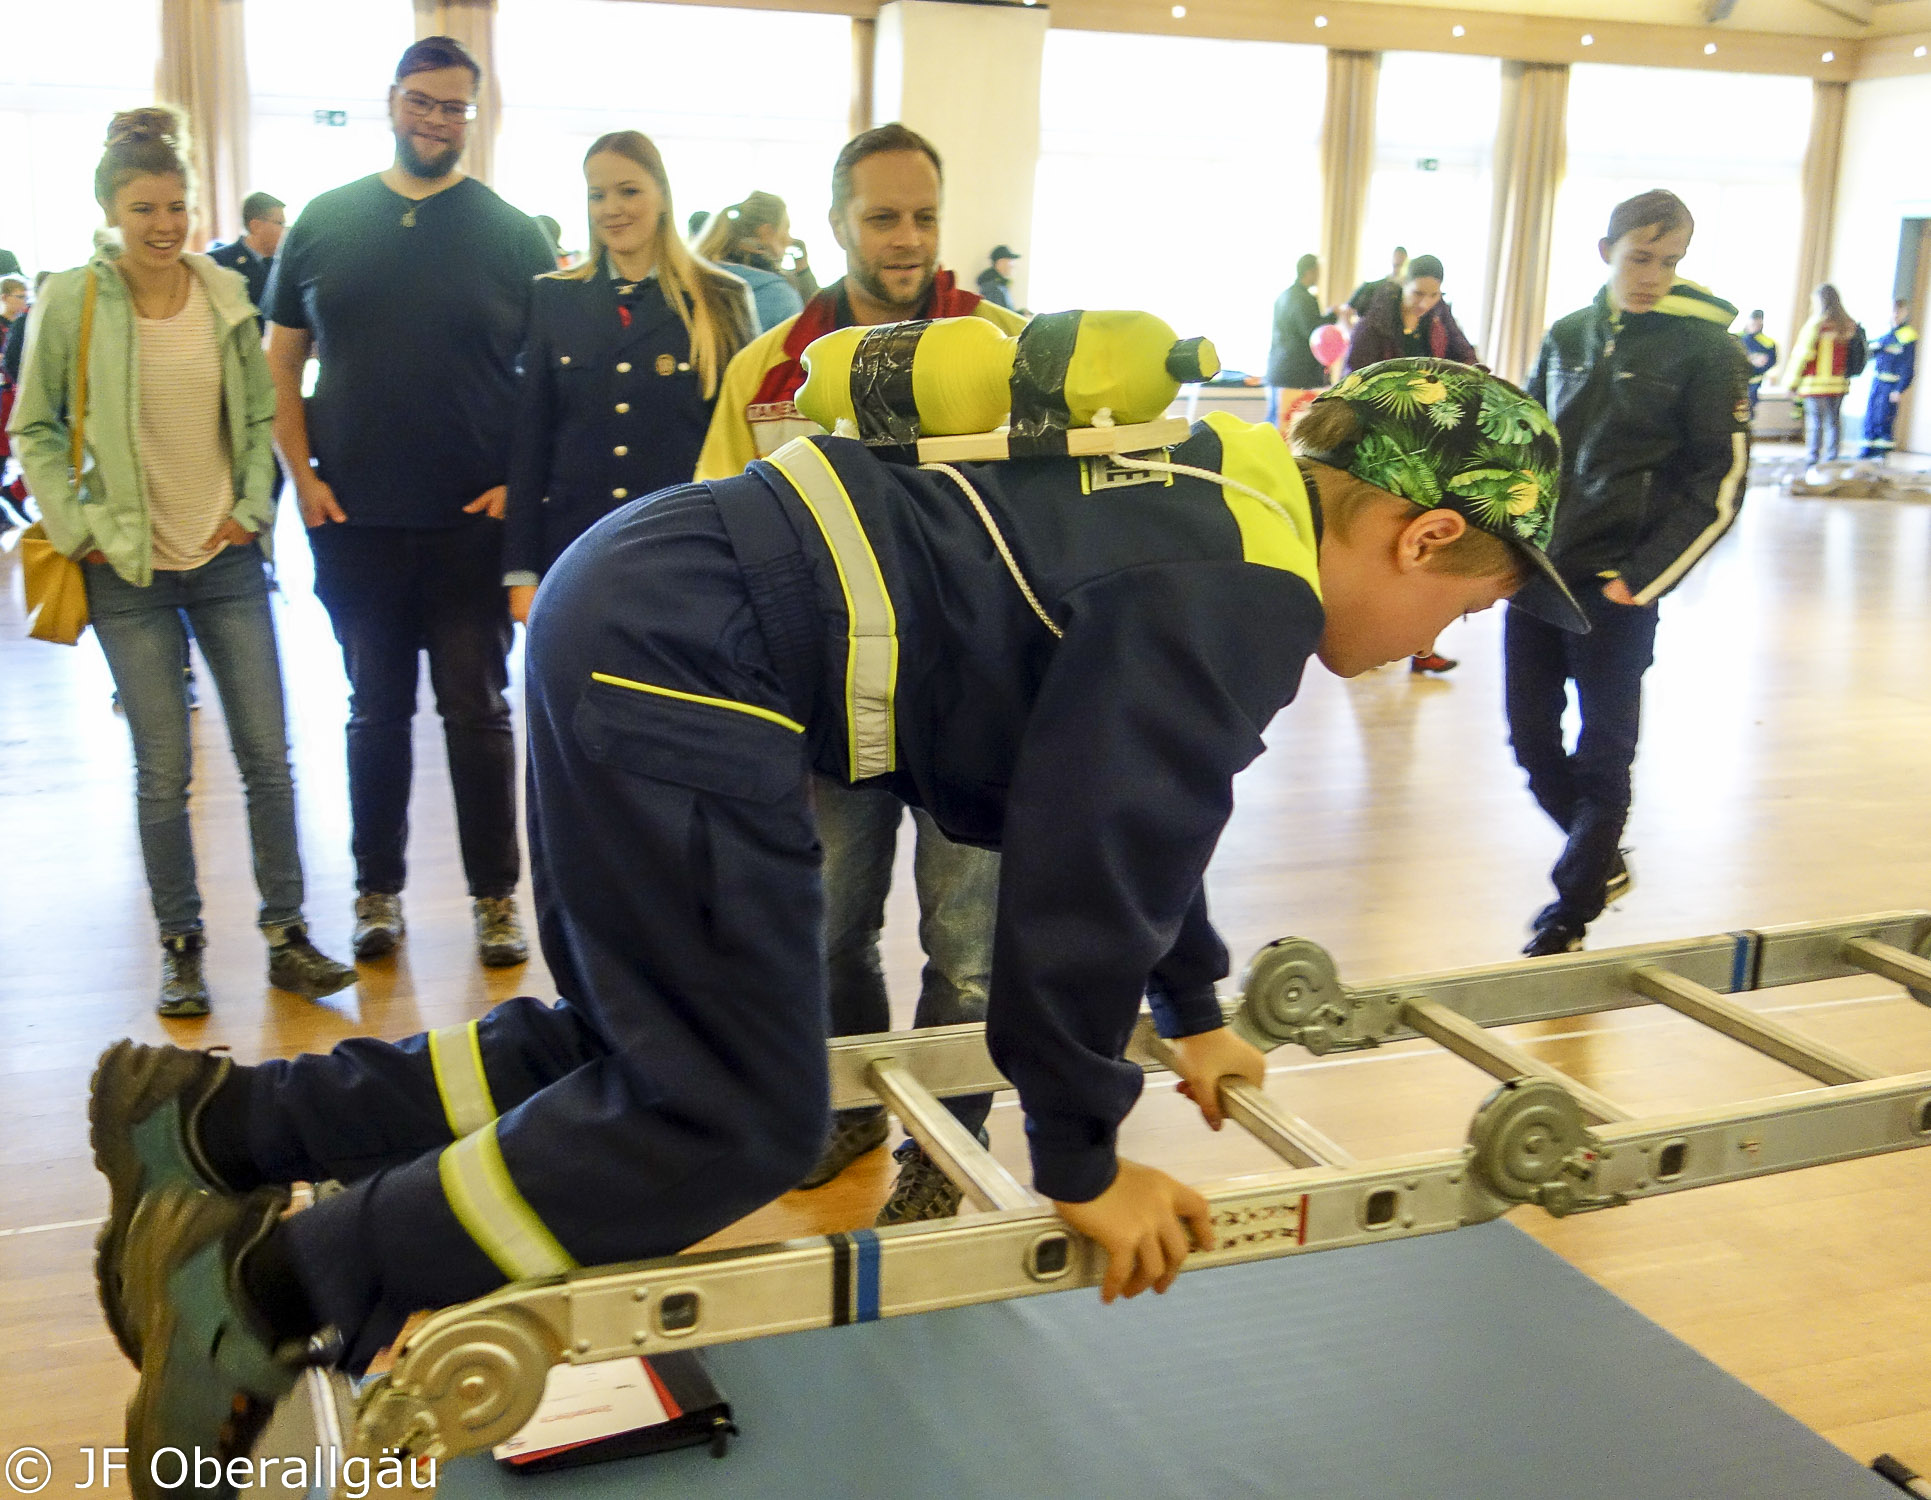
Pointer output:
x,y
477,1183
456,1055
871,660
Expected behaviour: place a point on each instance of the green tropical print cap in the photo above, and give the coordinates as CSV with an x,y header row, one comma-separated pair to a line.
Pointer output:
x,y
1450,436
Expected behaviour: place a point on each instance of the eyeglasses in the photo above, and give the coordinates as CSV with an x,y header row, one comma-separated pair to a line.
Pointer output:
x,y
456,111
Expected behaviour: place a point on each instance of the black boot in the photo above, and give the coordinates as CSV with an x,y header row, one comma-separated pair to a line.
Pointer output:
x,y
184,992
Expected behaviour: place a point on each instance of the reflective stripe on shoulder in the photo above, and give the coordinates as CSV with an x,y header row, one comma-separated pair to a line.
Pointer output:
x,y
754,710
477,1184
1254,454
456,1055
871,657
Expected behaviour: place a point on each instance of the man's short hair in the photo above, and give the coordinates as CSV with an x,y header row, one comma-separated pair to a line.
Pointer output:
x,y
259,206
876,142
1756,312
12,284
434,52
1305,264
1659,210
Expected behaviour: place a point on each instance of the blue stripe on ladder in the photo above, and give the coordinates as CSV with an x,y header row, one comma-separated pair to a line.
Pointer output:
x,y
1743,961
865,1303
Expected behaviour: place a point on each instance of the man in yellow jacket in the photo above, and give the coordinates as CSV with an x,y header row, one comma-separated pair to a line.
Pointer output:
x,y
885,197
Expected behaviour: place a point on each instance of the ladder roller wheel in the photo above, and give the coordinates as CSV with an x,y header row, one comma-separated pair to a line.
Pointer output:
x,y
1531,1144
465,1385
1290,993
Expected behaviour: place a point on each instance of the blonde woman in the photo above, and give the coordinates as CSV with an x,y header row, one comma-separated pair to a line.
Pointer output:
x,y
1828,355
752,239
170,519
620,367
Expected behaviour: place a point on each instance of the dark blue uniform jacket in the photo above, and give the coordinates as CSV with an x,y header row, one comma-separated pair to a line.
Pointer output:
x,y
605,413
1102,763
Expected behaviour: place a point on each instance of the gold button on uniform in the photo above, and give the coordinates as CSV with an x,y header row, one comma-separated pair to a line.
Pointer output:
x,y
665,364
564,360
619,492
621,450
624,368
623,406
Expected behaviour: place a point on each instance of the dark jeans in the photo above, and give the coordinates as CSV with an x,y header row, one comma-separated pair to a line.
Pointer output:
x,y
143,634
1585,791
392,593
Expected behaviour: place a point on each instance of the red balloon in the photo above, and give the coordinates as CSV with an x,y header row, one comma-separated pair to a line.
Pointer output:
x,y
1328,343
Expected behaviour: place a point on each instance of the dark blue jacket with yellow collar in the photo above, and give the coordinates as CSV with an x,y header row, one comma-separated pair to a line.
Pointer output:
x,y
1098,752
606,412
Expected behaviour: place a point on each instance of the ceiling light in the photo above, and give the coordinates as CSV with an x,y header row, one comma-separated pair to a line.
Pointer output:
x,y
1180,12
1830,57
1460,31
1588,40
1918,53
1709,49
1320,21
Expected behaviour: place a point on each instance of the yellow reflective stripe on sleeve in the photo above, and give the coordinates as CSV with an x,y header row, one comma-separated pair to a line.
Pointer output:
x,y
871,657
731,703
456,1055
1253,454
477,1184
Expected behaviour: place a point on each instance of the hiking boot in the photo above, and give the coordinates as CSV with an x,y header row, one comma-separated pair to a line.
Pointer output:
x,y
1620,882
499,933
212,1371
184,990
378,924
922,1190
853,1133
142,1109
298,966
1551,938
1430,661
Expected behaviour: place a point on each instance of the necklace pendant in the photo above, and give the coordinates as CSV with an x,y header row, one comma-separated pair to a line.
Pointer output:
x,y
409,217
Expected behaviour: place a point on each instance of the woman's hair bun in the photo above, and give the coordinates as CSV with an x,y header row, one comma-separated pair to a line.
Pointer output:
x,y
150,123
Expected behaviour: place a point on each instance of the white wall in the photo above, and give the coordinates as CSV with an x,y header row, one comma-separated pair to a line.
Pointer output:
x,y
966,77
1884,178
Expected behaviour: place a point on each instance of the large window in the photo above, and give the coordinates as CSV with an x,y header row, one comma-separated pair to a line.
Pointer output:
x,y
64,69
1177,175
1435,118
736,100
318,83
1731,145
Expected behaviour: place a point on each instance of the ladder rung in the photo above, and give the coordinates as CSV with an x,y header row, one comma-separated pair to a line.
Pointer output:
x,y
1500,1059
1892,963
972,1169
1282,1131
1825,1064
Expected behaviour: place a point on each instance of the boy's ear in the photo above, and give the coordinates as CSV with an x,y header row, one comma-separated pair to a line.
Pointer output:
x,y
1426,535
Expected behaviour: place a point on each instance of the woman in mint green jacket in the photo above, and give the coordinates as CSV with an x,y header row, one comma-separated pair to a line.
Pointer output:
x,y
170,516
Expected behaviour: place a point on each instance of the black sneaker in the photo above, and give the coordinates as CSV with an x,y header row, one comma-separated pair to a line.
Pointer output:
x,y
1554,937
1620,882
142,1106
922,1190
854,1132
378,924
212,1371
298,966
184,989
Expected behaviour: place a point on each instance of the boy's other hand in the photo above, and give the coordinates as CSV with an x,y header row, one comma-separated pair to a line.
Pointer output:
x,y
1145,1222
1206,1058
1617,592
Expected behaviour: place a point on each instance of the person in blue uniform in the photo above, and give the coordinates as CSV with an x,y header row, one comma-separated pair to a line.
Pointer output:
x,y
1894,364
620,367
1759,352
1076,684
264,218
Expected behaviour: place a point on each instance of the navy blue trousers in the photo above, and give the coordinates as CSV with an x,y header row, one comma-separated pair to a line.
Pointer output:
x,y
1585,791
1880,420
682,1082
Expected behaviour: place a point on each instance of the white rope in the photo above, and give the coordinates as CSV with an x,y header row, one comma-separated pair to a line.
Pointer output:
x,y
999,541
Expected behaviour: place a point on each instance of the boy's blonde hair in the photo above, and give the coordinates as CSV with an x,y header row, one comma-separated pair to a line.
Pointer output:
x,y
1329,426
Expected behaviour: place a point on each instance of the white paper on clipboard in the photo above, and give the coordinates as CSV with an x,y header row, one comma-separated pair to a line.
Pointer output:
x,y
582,1403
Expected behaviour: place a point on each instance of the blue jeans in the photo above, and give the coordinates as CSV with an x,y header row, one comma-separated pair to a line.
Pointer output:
x,y
1586,791
958,888
143,635
1821,425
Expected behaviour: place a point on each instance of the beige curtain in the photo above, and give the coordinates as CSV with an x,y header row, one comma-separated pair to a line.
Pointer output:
x,y
864,62
1347,166
473,23
1820,198
204,72
1531,147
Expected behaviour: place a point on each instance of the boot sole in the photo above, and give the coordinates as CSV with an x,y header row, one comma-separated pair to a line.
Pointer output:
x,y
113,1093
503,958
314,991
378,944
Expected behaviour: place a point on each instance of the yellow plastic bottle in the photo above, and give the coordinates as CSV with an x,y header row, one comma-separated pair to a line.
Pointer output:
x,y
961,377
1131,365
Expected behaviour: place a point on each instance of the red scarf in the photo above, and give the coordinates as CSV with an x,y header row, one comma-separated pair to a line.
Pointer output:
x,y
820,317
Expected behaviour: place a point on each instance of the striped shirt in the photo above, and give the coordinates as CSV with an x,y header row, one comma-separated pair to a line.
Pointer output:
x,y
184,447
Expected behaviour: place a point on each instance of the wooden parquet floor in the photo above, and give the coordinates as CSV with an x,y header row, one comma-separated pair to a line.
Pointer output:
x,y
1783,777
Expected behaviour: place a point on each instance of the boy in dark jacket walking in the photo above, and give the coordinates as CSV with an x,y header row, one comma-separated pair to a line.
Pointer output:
x,y
1649,392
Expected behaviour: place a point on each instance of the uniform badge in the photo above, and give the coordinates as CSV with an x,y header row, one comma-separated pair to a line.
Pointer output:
x,y
666,364
1102,473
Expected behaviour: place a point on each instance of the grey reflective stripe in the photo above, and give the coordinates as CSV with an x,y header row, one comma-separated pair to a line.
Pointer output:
x,y
871,656
486,1202
456,1055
